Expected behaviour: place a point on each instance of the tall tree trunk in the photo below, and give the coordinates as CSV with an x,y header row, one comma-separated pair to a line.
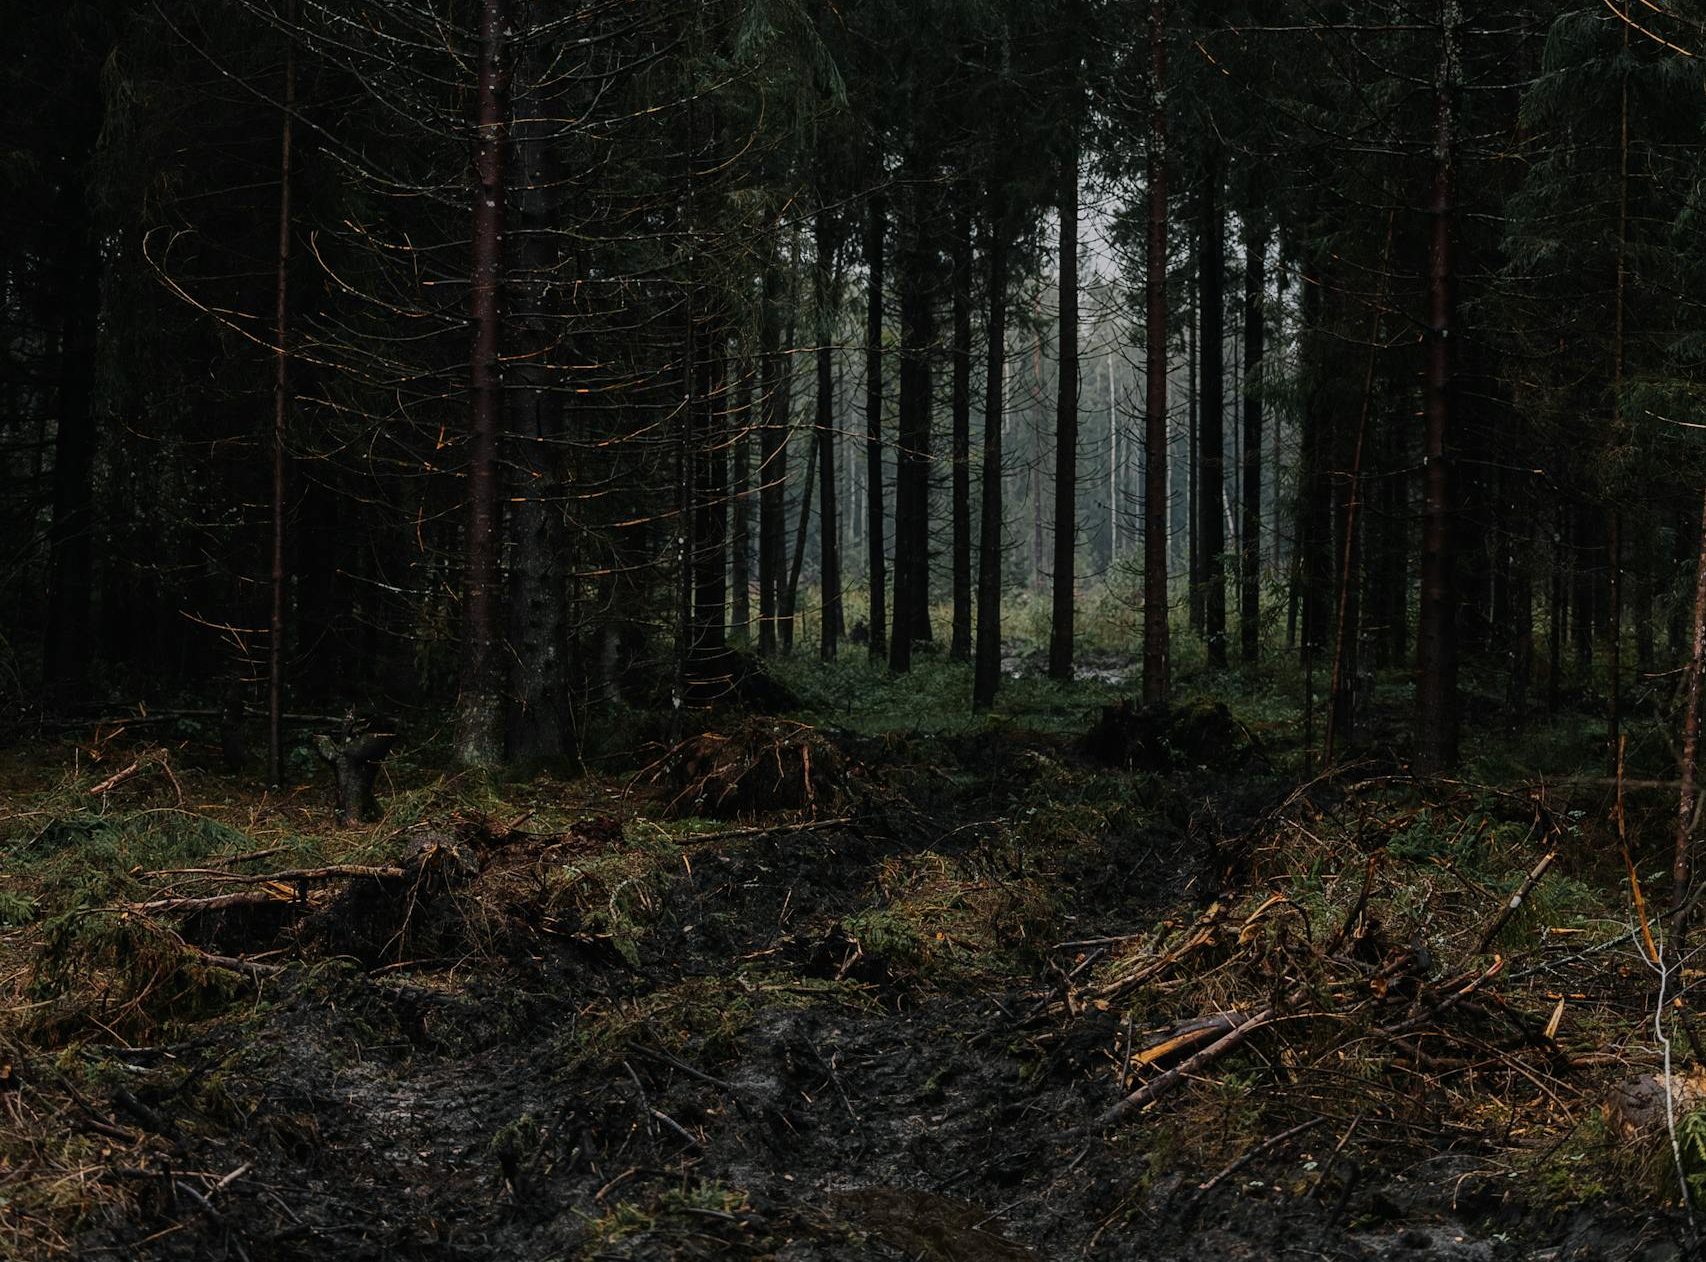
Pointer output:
x,y
790,601
786,590
1682,861
772,455
479,702
987,673
1614,531
1436,656
912,481
740,492
1195,587
1211,437
829,554
711,512
77,282
1155,630
280,425
878,614
1066,430
959,642
1255,331
1555,609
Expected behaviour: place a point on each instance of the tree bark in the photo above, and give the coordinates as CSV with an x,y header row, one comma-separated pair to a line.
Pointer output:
x,y
1255,332
77,281
910,622
877,620
479,702
740,492
1211,436
711,511
1614,537
829,554
959,640
1195,587
1155,629
987,671
280,420
1066,430
1436,656
1682,861
772,441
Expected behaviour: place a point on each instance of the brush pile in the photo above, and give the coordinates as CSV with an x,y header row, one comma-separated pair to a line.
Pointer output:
x,y
759,765
1414,962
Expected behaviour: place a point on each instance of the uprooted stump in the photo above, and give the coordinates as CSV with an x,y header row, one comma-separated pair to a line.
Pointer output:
x,y
375,921
354,756
1157,738
761,765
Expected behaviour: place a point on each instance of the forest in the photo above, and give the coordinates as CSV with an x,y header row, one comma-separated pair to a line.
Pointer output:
x,y
818,629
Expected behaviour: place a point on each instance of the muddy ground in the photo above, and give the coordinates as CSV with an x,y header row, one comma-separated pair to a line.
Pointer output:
x,y
862,1026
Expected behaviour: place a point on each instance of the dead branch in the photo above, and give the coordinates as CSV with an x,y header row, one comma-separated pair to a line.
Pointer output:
x,y
1153,1091
1515,901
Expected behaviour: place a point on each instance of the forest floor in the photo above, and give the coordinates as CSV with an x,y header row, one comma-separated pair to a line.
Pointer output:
x,y
860,982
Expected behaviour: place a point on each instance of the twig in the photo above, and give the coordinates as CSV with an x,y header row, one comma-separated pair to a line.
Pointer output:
x,y
675,1126
654,1054
738,834
1273,1141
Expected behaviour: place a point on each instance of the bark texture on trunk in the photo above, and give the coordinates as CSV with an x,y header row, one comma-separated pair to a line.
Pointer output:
x,y
77,283
711,512
959,640
987,671
1155,629
1066,432
1255,347
772,469
911,620
1682,865
280,427
829,551
1211,436
877,619
740,493
1436,652
479,702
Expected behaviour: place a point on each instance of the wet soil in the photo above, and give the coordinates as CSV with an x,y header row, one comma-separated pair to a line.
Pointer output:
x,y
750,1074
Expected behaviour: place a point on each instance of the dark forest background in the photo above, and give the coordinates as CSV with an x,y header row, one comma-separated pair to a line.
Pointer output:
x,y
544,363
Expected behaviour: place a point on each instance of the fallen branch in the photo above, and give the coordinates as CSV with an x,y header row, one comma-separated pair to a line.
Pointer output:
x,y
1509,909
1186,1038
1153,1091
216,902
149,758
331,872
